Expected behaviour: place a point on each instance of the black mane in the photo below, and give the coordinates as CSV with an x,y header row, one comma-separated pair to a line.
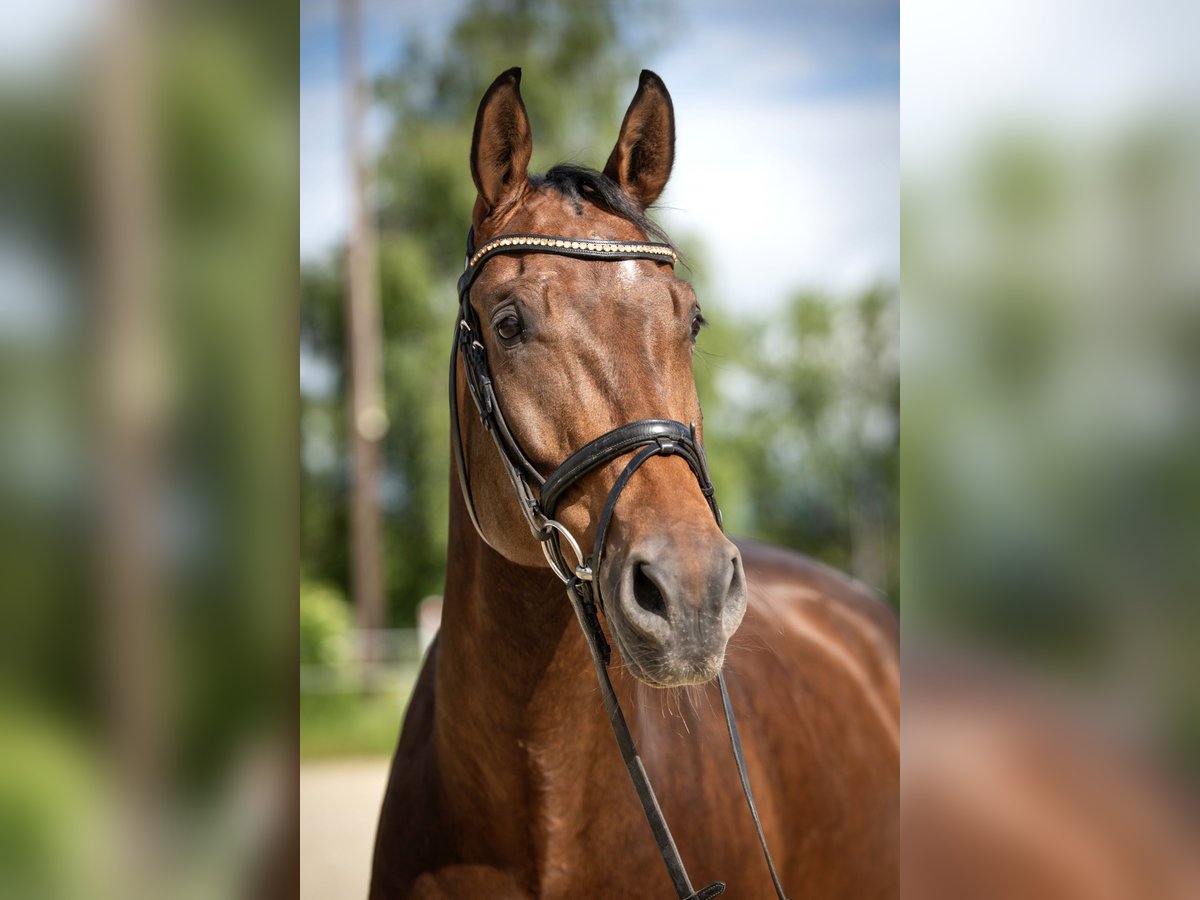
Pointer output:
x,y
579,183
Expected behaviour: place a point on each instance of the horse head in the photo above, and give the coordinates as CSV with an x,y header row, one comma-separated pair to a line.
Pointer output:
x,y
577,347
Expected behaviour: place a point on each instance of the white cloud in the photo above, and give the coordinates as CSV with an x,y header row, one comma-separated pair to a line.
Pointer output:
x,y
787,186
787,195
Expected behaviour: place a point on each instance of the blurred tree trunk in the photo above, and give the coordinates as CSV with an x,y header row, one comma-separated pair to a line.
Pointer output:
x,y
131,381
368,418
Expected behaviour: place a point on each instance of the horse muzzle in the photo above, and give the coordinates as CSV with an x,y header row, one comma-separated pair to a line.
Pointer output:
x,y
675,600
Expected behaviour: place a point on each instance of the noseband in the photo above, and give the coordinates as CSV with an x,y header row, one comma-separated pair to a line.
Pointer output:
x,y
644,438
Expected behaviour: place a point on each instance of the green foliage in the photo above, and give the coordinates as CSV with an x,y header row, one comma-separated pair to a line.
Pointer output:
x,y
48,788
324,623
804,429
352,724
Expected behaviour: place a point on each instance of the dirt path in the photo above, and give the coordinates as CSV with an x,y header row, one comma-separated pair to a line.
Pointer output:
x,y
339,805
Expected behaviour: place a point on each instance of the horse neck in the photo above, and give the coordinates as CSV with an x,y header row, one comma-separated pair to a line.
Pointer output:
x,y
516,697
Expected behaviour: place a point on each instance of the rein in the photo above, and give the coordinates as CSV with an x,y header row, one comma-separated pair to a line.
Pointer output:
x,y
645,439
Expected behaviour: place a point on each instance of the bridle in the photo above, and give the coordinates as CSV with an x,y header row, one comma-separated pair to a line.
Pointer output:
x,y
645,439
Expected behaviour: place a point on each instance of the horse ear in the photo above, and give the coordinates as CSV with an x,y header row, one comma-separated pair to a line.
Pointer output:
x,y
641,161
502,143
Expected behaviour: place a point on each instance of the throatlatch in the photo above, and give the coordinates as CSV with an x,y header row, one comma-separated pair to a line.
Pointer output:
x,y
644,439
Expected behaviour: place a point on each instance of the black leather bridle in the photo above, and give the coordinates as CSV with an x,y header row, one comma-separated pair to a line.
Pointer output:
x,y
645,438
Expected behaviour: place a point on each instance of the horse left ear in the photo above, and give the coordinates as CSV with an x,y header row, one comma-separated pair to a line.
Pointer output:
x,y
645,151
502,144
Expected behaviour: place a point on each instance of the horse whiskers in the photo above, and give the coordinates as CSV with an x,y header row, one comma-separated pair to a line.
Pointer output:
x,y
693,691
746,643
682,717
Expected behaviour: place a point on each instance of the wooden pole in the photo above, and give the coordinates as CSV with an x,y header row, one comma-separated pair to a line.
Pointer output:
x,y
131,402
368,419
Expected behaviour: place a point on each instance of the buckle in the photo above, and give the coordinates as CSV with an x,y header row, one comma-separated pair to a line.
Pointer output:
x,y
544,531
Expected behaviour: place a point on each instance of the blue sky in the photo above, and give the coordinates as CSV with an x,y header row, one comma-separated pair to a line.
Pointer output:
x,y
792,109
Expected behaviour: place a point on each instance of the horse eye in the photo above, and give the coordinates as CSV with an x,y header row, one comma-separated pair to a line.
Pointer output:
x,y
698,322
509,329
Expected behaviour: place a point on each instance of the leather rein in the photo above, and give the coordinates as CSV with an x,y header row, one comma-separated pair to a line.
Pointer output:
x,y
645,439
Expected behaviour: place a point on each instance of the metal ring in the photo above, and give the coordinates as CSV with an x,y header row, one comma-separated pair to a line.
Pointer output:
x,y
580,569
554,564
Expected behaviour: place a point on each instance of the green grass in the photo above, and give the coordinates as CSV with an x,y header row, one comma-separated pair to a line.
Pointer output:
x,y
352,724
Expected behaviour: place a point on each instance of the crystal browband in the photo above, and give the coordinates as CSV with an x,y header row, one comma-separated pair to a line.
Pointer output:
x,y
536,241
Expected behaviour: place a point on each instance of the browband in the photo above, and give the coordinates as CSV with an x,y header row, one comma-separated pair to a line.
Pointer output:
x,y
583,248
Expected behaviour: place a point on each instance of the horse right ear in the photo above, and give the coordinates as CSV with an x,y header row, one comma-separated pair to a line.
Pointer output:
x,y
502,144
641,161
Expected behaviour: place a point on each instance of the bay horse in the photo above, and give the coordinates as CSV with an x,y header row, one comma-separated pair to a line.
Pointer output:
x,y
506,782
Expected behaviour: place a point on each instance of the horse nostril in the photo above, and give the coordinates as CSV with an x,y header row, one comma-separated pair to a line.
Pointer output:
x,y
647,592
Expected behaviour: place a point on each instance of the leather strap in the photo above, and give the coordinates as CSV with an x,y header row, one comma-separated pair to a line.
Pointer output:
x,y
611,504
633,762
672,436
656,437
479,382
585,598
460,462
736,741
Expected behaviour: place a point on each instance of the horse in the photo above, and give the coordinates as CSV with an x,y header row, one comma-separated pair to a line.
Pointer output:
x,y
506,781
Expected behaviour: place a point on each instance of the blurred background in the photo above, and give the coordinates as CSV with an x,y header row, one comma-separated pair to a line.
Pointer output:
x,y
147,454
1050,198
1051,213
